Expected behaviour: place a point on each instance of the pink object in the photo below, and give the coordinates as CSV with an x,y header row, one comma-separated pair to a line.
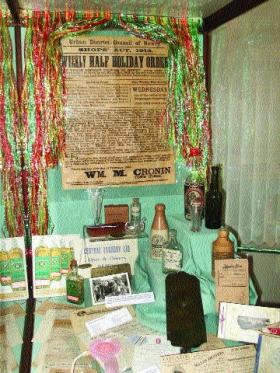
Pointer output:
x,y
275,331
105,350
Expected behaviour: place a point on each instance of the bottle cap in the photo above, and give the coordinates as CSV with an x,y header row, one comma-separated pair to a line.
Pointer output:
x,y
194,152
73,263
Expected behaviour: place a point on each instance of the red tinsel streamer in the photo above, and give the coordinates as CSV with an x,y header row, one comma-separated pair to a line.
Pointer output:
x,y
44,93
10,137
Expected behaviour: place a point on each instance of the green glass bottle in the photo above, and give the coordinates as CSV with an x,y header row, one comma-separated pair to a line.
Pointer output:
x,y
74,284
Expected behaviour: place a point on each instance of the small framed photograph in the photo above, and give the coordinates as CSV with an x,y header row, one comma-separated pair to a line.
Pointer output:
x,y
109,286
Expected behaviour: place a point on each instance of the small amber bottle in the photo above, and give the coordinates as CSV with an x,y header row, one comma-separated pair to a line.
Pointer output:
x,y
74,284
222,248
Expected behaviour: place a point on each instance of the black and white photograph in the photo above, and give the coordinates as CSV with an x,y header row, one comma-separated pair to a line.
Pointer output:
x,y
109,286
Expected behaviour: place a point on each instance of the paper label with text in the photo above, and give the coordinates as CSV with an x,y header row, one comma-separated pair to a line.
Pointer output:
x,y
116,97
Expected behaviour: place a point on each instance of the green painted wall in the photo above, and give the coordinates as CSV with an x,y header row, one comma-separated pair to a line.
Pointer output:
x,y
71,209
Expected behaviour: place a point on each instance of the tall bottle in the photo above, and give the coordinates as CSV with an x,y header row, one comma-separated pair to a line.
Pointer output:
x,y
135,212
159,232
74,284
213,202
222,248
194,184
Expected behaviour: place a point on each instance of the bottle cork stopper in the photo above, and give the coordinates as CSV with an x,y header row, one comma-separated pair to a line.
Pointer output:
x,y
223,232
160,207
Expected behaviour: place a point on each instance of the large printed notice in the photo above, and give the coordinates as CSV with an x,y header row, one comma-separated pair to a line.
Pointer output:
x,y
231,359
116,95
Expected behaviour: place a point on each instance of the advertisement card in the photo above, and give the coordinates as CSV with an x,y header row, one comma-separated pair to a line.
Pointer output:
x,y
51,256
238,322
268,354
231,359
13,276
232,281
107,253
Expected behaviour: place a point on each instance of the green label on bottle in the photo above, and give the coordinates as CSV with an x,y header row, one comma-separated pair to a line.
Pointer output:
x,y
4,268
75,291
17,270
42,267
5,272
67,255
55,264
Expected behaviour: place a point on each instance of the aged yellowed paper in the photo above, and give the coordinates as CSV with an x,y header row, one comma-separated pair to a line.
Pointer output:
x,y
116,97
232,359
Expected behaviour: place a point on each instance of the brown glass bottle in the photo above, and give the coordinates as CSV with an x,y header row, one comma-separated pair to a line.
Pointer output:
x,y
222,248
159,232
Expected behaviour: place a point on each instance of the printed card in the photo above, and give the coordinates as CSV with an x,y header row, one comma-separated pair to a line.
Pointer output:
x,y
244,323
232,281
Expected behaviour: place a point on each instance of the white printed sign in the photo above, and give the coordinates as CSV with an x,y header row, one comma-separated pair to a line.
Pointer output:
x,y
106,253
108,321
128,299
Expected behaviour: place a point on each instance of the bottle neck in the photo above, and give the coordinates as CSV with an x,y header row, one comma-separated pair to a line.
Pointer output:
x,y
173,242
194,173
214,180
160,221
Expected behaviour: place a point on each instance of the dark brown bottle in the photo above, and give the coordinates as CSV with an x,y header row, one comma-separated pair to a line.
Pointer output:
x,y
213,202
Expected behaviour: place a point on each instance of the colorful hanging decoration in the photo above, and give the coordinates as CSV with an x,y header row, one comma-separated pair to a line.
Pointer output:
x,y
10,137
43,101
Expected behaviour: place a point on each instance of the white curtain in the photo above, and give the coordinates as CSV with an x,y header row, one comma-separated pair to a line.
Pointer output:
x,y
245,118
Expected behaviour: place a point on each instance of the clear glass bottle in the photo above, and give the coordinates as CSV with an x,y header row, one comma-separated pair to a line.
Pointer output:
x,y
213,202
135,212
74,284
172,256
195,183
